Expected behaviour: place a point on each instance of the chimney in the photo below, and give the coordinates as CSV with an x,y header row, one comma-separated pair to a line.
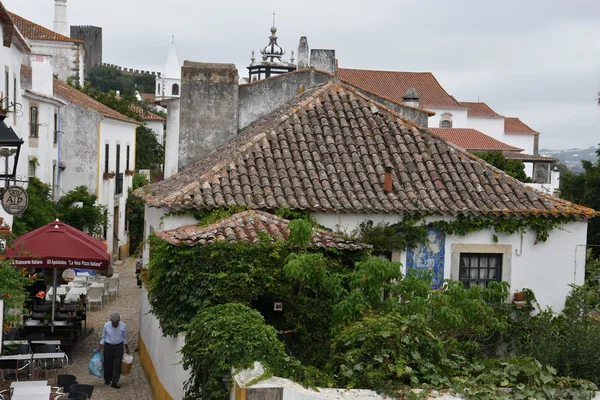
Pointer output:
x,y
411,98
208,110
387,181
303,61
60,17
41,74
323,60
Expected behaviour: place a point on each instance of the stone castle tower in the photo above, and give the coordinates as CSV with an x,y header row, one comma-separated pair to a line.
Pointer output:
x,y
92,43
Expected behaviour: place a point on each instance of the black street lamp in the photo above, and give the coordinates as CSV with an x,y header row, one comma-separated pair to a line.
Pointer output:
x,y
10,147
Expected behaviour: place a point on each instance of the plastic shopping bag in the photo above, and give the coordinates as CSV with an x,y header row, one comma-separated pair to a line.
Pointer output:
x,y
96,366
126,364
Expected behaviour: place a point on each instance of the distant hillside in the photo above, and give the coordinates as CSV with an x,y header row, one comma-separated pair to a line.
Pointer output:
x,y
572,157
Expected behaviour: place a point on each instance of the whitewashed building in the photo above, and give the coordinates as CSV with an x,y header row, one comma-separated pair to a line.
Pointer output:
x,y
330,150
67,55
97,147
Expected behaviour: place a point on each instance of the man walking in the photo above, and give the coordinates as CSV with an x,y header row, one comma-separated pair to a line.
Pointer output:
x,y
114,337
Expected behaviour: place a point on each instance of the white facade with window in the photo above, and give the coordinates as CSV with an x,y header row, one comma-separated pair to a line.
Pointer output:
x,y
168,85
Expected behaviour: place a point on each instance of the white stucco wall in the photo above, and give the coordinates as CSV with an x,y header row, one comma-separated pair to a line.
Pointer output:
x,y
491,126
164,89
155,220
459,117
164,351
67,57
524,142
113,132
547,268
172,140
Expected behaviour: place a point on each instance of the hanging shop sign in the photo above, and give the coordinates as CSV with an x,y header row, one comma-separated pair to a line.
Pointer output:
x,y
15,200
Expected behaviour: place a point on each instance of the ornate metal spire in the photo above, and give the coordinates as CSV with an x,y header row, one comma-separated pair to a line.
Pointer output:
x,y
272,52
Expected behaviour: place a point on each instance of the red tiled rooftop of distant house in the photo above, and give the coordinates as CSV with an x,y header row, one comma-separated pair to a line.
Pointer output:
x,y
246,227
151,97
529,157
514,125
10,31
73,95
327,152
146,116
472,140
392,85
479,109
33,31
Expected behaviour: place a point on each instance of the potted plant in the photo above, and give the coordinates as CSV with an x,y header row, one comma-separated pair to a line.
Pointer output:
x,y
47,317
108,175
129,172
62,299
519,296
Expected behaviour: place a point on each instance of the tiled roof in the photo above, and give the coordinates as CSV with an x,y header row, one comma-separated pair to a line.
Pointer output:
x,y
73,95
151,97
392,85
479,109
529,157
146,116
327,152
33,31
514,125
245,227
471,139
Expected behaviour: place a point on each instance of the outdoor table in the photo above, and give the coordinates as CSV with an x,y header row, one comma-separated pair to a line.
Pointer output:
x,y
9,342
31,392
75,292
19,357
54,342
52,356
15,384
82,274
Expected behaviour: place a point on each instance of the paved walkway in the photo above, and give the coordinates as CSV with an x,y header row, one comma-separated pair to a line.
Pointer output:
x,y
134,386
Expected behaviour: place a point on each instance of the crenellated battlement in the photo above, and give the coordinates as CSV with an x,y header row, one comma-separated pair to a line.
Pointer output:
x,y
131,71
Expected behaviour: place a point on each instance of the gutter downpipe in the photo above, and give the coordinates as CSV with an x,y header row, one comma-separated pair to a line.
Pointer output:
x,y
58,170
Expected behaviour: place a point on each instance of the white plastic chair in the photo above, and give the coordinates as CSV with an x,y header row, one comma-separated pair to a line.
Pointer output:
x,y
113,286
94,295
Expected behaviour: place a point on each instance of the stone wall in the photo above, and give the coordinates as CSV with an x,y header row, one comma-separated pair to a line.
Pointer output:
x,y
209,109
259,99
414,114
323,60
92,44
79,148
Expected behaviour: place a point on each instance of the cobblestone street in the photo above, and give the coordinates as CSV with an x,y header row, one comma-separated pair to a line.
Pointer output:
x,y
135,385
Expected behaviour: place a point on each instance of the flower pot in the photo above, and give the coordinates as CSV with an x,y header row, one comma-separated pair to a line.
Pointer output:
x,y
519,296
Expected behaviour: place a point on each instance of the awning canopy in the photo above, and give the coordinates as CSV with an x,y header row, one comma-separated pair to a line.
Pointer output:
x,y
58,245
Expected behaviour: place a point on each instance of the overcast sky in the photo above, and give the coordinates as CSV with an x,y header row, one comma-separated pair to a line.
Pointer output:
x,y
535,59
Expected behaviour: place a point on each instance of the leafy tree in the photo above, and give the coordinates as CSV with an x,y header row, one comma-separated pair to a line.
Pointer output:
x,y
514,168
149,153
135,214
13,290
40,211
89,218
106,79
584,189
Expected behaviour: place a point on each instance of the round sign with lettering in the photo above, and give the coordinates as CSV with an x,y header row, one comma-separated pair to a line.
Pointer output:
x,y
15,200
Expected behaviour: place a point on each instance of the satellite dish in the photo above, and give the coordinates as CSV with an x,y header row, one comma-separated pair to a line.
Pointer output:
x,y
68,275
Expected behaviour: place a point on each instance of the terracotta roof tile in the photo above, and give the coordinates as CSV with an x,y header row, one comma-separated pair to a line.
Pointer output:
x,y
61,89
146,116
246,226
479,109
151,97
471,139
514,125
392,85
33,31
529,157
327,152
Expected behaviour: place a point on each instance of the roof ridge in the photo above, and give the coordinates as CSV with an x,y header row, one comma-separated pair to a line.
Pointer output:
x,y
47,30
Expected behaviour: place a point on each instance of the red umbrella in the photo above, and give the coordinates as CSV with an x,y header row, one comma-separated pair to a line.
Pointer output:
x,y
57,245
